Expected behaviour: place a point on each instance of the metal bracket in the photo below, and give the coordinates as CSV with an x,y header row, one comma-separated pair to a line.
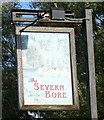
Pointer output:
x,y
42,16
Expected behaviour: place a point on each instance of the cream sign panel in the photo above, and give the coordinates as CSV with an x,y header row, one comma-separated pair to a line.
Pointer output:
x,y
46,69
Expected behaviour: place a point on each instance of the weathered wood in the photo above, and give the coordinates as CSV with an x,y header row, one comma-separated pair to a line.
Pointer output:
x,y
19,69
75,21
74,67
91,83
75,105
68,14
25,13
35,12
0,65
24,19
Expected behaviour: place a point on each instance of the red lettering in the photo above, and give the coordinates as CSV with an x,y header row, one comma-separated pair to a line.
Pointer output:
x,y
56,87
32,80
61,87
54,95
47,94
51,87
47,87
59,95
64,94
36,86
41,87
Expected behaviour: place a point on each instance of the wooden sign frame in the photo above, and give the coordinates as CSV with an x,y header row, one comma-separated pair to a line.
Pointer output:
x,y
70,31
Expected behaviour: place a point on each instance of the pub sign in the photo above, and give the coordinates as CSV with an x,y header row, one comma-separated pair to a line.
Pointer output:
x,y
46,59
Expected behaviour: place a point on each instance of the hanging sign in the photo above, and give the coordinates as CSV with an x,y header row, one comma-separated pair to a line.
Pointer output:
x,y
47,68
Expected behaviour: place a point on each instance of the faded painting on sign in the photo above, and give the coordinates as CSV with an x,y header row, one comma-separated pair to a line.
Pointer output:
x,y
46,68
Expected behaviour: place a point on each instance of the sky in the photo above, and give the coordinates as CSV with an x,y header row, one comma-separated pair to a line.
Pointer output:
x,y
25,5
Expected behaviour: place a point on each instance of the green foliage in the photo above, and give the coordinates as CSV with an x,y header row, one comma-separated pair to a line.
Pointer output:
x,y
98,27
9,73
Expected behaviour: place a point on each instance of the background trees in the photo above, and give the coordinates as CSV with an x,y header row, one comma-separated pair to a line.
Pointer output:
x,y
9,72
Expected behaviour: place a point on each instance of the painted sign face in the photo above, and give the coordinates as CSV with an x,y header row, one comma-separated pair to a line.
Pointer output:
x,y
46,68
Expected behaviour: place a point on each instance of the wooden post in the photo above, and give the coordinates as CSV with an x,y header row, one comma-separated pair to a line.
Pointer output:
x,y
0,65
91,83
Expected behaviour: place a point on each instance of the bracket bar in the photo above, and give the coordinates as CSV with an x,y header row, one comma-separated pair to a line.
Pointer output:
x,y
18,12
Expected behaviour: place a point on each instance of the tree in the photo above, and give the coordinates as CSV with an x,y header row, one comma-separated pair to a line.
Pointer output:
x,y
98,25
9,72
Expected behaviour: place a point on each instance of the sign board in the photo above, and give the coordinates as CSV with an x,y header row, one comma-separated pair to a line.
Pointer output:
x,y
47,68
